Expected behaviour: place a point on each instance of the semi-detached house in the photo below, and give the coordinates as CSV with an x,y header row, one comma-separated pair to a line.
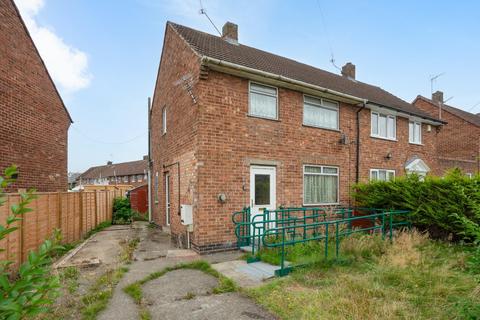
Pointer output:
x,y
235,126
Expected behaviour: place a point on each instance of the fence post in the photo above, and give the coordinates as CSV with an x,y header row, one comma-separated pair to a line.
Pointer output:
x,y
106,205
22,239
80,196
96,214
59,210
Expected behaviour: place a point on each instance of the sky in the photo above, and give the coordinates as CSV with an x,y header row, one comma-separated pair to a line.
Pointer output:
x,y
103,55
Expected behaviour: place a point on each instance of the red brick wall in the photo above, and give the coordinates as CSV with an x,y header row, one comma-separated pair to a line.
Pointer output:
x,y
458,140
179,143
33,122
231,141
215,142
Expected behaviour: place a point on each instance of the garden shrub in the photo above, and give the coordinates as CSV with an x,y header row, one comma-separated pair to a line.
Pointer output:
x,y
122,211
32,289
448,207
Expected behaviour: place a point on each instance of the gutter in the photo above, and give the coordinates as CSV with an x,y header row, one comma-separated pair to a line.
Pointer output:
x,y
213,61
149,170
357,160
207,61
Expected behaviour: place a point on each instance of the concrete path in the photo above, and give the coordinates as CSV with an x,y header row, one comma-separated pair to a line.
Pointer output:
x,y
180,294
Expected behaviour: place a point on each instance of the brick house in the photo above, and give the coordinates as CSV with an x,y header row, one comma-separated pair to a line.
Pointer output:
x,y
34,121
132,173
234,126
459,139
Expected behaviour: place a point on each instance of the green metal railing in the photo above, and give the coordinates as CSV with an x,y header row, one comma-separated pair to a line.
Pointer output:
x,y
289,226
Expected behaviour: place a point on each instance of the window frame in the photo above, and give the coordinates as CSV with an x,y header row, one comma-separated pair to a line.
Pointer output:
x,y
387,116
164,120
321,106
250,100
321,174
411,139
387,171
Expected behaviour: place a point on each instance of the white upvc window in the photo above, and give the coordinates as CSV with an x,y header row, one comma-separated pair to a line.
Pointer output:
x,y
164,120
415,132
320,185
320,113
383,126
132,177
125,178
263,101
382,175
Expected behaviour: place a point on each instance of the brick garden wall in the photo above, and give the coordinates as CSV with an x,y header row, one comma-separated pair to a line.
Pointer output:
x,y
33,121
74,213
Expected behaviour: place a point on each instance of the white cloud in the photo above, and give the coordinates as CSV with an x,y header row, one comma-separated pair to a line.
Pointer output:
x,y
67,65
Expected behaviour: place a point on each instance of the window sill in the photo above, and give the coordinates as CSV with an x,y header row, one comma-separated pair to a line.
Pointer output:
x,y
321,204
263,118
318,127
416,144
382,138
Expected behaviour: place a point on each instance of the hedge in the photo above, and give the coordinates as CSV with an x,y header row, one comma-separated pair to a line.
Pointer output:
x,y
447,207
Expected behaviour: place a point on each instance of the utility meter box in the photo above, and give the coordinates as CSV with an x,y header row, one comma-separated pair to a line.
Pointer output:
x,y
186,214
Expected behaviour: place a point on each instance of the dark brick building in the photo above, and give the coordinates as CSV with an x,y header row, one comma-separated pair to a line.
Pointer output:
x,y
459,139
234,126
33,119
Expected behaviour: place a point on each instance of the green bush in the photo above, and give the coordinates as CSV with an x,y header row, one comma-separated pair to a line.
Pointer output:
x,y
122,211
32,289
448,207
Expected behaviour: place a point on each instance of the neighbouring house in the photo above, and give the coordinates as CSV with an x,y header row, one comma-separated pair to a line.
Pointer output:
x,y
459,139
34,121
132,173
235,126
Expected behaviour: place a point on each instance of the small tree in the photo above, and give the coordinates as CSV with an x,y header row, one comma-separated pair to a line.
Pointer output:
x,y
33,288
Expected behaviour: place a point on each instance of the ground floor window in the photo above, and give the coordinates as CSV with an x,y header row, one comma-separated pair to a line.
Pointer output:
x,y
382,175
320,185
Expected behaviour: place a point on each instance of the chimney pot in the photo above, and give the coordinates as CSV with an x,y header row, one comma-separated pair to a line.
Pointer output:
x,y
145,157
109,163
230,32
437,97
348,70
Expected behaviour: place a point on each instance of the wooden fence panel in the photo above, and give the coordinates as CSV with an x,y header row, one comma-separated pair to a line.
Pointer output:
x,y
74,213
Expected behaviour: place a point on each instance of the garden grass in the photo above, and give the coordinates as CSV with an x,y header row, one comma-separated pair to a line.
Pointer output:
x,y
411,278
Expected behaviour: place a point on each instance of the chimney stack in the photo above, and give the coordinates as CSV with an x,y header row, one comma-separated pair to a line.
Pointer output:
x,y
348,70
230,32
109,163
437,97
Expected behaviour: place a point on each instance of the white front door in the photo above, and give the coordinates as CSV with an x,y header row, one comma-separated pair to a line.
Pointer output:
x,y
262,190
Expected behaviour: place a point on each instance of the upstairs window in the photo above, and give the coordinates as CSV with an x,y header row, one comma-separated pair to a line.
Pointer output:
x,y
384,126
263,101
164,120
415,132
320,185
382,175
320,113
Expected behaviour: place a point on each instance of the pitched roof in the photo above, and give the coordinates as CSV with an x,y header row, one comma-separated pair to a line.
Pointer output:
x,y
462,114
41,60
116,169
212,46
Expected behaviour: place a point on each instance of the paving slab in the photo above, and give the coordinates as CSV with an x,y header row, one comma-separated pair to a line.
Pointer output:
x,y
246,274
